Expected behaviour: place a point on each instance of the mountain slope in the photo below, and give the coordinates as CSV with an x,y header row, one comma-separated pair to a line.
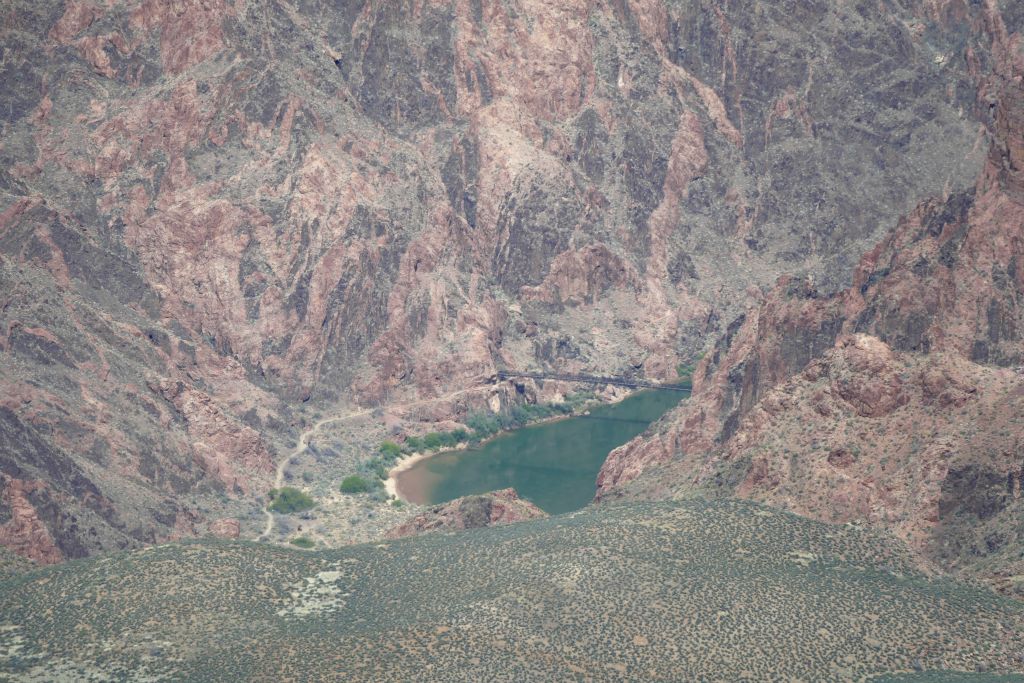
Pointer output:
x,y
727,590
218,219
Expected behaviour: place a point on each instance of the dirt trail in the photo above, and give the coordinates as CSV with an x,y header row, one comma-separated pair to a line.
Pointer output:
x,y
304,438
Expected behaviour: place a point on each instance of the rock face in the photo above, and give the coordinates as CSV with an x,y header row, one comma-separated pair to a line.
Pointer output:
x,y
894,402
470,512
214,212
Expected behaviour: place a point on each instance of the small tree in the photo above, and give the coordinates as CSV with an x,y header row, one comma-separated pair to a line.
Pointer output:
x,y
288,500
483,424
684,371
354,484
390,449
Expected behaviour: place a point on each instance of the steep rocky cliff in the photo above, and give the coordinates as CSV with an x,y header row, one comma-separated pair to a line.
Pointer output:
x,y
217,217
897,401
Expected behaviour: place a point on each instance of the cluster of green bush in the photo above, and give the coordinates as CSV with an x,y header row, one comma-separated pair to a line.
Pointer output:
x,y
355,484
369,480
302,542
373,472
435,441
287,500
485,424
685,370
387,454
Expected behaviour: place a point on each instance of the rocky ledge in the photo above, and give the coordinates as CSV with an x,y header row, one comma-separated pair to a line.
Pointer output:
x,y
470,512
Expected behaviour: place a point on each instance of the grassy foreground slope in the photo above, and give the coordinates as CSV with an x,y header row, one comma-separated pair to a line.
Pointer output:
x,y
647,591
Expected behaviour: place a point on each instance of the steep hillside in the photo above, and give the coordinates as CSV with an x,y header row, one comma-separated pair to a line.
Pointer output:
x,y
896,402
219,219
657,592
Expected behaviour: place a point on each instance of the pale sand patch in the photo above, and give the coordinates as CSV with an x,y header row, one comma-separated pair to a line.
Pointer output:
x,y
407,462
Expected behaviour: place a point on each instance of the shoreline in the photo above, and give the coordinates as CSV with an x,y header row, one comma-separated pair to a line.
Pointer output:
x,y
403,464
409,461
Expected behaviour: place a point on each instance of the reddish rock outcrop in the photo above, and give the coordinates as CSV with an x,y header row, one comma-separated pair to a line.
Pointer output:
x,y
470,512
24,532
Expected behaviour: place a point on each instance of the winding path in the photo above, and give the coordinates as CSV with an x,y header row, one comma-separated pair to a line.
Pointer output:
x,y
306,435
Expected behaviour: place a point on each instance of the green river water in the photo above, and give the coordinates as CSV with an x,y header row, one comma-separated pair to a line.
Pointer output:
x,y
554,464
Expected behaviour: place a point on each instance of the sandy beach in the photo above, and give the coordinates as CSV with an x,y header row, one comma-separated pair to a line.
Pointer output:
x,y
406,462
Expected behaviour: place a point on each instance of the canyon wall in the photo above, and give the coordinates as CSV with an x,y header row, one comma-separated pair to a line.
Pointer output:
x,y
897,401
217,216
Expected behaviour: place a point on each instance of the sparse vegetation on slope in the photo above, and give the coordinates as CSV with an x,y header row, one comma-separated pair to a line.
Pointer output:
x,y
665,591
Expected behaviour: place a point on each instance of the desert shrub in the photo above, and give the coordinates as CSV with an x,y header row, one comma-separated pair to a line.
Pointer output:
x,y
531,412
685,370
302,542
390,449
413,444
507,421
577,400
518,416
287,500
354,484
438,440
378,468
483,424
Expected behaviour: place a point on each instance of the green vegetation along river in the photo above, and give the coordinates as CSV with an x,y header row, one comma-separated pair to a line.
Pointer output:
x,y
554,464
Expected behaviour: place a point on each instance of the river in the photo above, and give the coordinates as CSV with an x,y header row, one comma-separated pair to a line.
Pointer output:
x,y
553,464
